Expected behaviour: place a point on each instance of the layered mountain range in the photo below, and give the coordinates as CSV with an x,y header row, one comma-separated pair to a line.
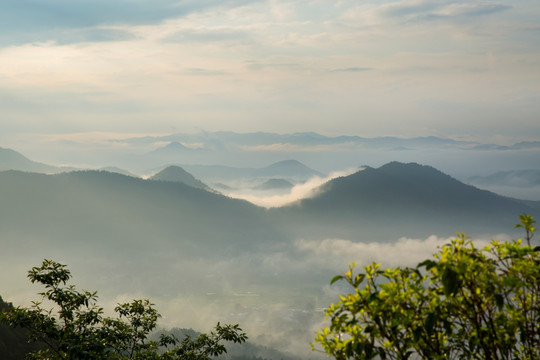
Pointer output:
x,y
208,257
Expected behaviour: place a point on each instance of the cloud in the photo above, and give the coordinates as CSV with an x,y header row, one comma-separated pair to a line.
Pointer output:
x,y
353,69
416,11
32,20
209,35
430,9
335,254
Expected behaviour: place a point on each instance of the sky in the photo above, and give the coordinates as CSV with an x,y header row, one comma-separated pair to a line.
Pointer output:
x,y
451,68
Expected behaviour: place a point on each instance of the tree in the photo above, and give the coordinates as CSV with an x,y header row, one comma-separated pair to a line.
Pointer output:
x,y
466,303
75,327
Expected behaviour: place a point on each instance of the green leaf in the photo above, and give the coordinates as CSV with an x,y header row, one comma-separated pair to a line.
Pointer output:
x,y
336,278
429,324
428,264
450,281
499,300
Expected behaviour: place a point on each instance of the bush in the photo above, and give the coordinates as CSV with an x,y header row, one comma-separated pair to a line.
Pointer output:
x,y
466,303
75,327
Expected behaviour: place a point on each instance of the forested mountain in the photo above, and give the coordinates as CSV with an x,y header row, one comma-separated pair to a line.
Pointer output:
x,y
410,199
108,209
395,198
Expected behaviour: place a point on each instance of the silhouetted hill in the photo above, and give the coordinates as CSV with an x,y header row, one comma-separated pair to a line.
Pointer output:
x,y
12,160
407,198
275,184
171,148
283,169
177,174
117,170
286,168
103,210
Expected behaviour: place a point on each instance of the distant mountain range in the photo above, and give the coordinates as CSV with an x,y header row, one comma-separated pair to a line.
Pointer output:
x,y
394,199
196,249
223,140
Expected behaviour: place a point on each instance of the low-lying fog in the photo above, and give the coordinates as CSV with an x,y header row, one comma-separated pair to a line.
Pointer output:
x,y
278,298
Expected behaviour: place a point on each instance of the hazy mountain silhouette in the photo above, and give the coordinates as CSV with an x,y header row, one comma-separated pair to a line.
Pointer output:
x,y
287,168
177,174
291,169
171,148
275,184
103,210
117,170
403,198
12,160
232,139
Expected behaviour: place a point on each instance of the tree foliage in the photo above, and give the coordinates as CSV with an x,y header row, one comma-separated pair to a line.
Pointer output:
x,y
466,303
76,328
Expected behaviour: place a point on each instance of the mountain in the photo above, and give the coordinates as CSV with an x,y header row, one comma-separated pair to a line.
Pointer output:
x,y
275,184
228,140
204,257
177,174
287,169
402,198
171,148
98,209
290,169
12,160
117,170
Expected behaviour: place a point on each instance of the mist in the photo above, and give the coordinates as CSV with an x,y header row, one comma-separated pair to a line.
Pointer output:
x,y
277,297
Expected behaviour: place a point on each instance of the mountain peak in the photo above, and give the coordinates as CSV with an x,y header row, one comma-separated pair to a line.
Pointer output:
x,y
288,168
175,173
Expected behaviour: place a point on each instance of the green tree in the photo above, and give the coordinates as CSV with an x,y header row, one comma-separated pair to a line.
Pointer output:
x,y
76,328
466,303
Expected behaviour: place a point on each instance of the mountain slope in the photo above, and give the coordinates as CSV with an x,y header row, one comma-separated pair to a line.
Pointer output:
x,y
281,169
403,199
97,209
12,160
286,168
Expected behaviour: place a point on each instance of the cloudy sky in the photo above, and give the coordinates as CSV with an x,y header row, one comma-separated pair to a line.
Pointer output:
x,y
461,69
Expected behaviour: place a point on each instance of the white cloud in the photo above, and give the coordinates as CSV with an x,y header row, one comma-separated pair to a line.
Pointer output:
x,y
335,254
